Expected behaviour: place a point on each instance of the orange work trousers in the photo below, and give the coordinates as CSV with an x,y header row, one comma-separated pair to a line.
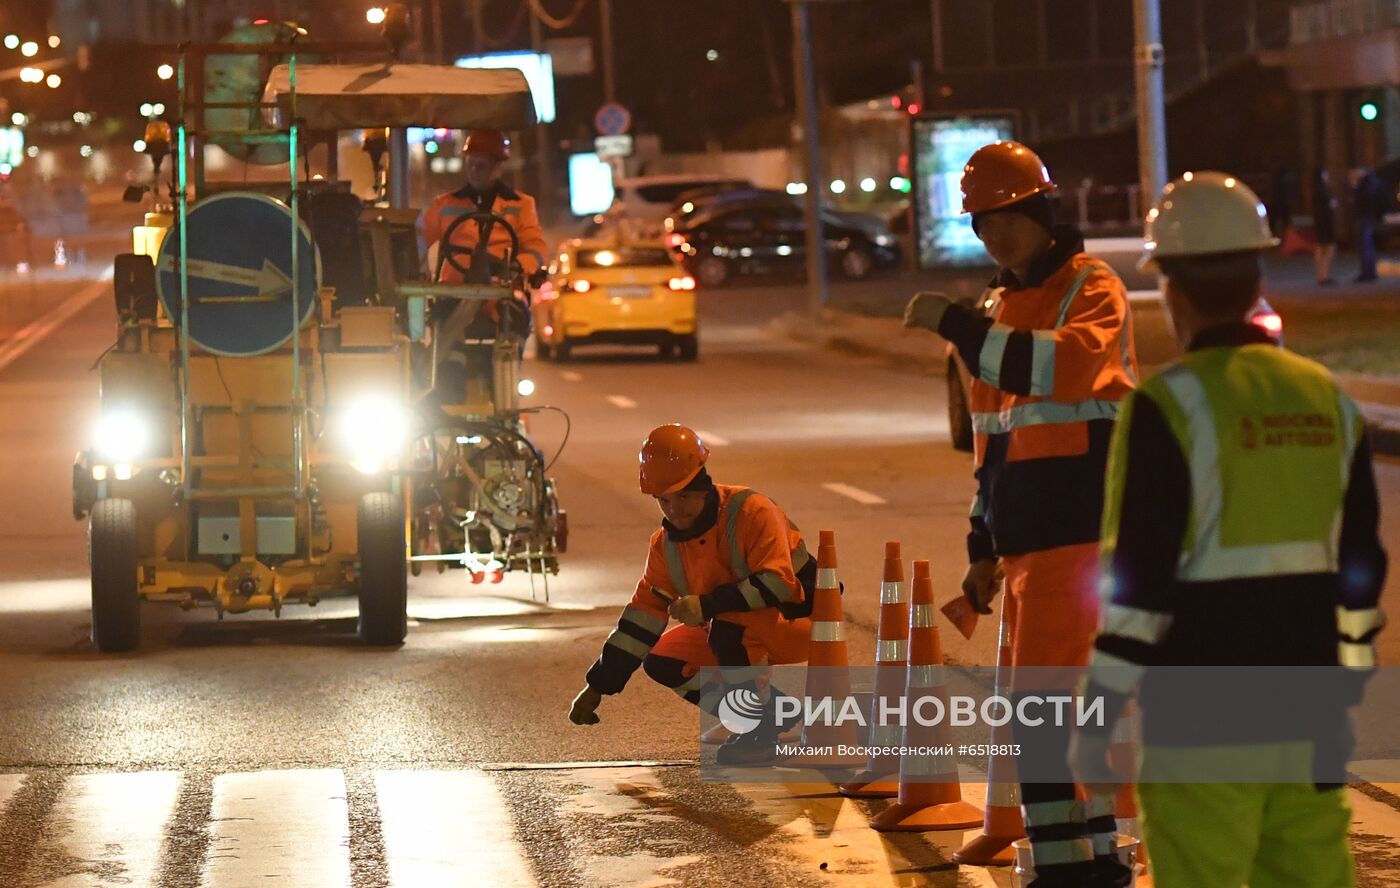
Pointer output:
x,y
763,637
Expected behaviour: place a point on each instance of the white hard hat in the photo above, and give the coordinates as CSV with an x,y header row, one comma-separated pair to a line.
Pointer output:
x,y
1204,213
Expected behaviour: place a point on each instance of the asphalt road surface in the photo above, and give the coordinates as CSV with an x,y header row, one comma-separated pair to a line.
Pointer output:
x,y
259,751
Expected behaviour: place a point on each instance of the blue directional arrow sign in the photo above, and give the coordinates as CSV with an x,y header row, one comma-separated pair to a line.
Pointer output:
x,y
239,267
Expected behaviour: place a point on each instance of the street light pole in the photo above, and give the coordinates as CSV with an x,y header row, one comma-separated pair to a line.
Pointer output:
x,y
805,83
1152,126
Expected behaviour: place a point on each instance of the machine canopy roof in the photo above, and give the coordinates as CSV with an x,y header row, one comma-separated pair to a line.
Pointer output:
x,y
330,97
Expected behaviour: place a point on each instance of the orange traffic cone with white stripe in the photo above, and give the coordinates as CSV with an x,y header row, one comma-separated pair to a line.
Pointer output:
x,y
880,779
828,674
1001,824
930,794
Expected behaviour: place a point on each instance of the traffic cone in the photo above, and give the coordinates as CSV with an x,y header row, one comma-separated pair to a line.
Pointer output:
x,y
1001,824
880,779
827,668
930,795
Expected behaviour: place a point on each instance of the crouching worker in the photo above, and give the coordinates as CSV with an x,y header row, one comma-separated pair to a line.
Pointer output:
x,y
733,570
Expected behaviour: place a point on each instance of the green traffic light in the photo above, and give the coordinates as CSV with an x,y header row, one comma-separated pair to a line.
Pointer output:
x,y
1369,111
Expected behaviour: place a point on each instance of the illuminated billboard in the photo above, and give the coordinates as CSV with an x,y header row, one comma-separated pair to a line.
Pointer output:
x,y
941,148
590,184
537,68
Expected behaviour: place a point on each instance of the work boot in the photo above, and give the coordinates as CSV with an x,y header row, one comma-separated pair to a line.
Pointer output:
x,y
753,749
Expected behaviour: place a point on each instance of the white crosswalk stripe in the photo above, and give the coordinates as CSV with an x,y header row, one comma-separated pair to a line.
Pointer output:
x,y
591,823
439,824
106,831
279,828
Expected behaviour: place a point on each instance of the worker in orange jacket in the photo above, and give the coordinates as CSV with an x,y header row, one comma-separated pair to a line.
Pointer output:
x,y
485,153
733,570
1051,359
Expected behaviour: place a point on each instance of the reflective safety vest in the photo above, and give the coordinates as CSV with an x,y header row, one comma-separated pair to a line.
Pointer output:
x,y
1049,375
1244,418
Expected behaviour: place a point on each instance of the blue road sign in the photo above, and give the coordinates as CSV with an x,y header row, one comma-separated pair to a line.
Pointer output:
x,y
612,119
240,274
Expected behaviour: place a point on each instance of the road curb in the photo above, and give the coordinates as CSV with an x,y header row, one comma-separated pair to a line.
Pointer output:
x,y
888,340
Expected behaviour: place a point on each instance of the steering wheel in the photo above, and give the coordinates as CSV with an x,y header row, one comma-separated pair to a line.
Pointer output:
x,y
480,260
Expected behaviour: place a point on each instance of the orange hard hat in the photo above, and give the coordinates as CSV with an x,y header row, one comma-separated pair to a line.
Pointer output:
x,y
492,143
1001,174
671,457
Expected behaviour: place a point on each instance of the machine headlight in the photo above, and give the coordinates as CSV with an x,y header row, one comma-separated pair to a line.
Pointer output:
x,y
373,432
122,435
883,240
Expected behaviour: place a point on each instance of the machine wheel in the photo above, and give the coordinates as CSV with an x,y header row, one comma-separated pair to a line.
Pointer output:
x,y
383,570
116,606
542,349
712,271
688,346
959,416
560,353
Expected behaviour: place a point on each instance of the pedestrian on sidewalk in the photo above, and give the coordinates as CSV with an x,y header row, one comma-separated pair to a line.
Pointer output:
x,y
1370,204
1240,530
734,571
1324,213
1051,360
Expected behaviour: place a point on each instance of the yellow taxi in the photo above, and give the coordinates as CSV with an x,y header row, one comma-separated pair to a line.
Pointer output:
x,y
619,293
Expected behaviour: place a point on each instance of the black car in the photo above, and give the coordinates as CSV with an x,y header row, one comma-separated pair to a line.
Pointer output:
x,y
768,237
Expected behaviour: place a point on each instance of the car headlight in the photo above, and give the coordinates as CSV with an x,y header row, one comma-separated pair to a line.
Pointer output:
x,y
122,435
883,240
373,432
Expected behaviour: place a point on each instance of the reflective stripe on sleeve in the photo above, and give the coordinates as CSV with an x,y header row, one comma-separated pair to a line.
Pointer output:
x,y
773,584
1134,622
644,619
1042,413
752,597
1042,363
629,645
993,350
1359,623
1114,672
976,510
828,630
1354,655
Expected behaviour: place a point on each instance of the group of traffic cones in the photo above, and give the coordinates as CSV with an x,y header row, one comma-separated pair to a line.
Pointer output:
x,y
926,789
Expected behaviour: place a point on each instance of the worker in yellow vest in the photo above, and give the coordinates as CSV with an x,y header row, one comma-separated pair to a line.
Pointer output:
x,y
1240,533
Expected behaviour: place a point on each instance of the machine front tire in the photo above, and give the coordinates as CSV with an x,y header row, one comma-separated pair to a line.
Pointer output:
x,y
116,604
383,570
560,353
542,349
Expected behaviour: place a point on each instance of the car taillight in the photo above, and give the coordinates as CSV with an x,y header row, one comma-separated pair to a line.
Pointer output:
x,y
682,283
547,330
1269,322
581,286
674,240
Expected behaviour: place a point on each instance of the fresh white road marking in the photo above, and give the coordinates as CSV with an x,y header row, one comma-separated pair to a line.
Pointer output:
x,y
621,401
115,823
440,825
711,439
9,785
571,376
864,497
279,828
36,332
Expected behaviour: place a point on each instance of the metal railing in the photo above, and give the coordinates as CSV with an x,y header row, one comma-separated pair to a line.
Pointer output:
x,y
1341,18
